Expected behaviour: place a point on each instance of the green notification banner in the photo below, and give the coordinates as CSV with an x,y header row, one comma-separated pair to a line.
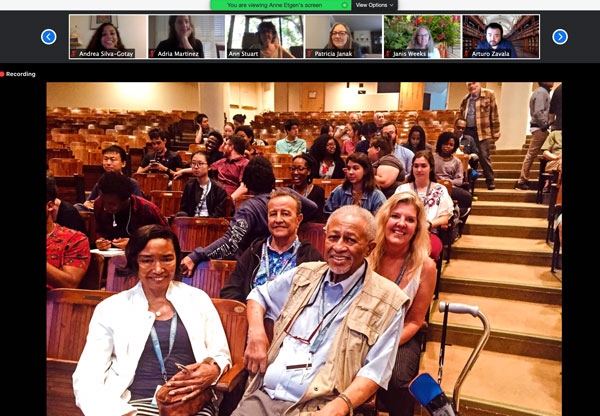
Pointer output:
x,y
280,5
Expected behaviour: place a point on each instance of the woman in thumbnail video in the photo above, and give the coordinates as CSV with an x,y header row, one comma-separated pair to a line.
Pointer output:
x,y
182,37
268,42
106,38
422,39
340,38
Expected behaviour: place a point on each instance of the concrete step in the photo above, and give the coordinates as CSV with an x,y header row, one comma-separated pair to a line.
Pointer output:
x,y
498,383
507,183
496,226
502,249
509,209
515,165
510,281
528,329
501,194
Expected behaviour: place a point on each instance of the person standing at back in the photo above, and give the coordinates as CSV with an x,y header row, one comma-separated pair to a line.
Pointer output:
x,y
479,108
556,109
291,143
539,110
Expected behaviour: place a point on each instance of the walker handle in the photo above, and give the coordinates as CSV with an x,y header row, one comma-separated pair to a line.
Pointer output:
x,y
459,308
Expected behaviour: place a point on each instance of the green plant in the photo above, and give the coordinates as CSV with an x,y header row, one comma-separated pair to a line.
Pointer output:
x,y
398,29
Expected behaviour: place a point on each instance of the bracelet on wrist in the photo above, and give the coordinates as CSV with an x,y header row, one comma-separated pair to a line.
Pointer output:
x,y
348,403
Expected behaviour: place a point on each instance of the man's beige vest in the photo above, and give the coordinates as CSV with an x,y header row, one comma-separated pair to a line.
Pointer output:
x,y
369,315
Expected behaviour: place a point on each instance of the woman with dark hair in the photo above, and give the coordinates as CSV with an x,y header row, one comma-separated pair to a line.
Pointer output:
x,y
119,369
268,42
327,129
436,200
182,37
302,168
359,188
417,140
248,134
106,38
239,120
249,220
340,38
328,155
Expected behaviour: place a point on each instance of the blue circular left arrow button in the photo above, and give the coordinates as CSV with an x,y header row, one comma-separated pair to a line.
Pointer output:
x,y
48,36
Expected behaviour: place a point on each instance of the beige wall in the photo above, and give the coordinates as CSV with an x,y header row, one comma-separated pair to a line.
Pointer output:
x,y
163,96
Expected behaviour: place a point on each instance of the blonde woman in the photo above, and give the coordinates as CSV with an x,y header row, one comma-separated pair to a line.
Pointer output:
x,y
422,39
401,254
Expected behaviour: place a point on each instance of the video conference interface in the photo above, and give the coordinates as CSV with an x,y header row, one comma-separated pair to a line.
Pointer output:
x,y
452,36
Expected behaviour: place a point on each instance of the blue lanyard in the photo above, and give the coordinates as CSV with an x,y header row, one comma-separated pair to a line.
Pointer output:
x,y
156,344
345,300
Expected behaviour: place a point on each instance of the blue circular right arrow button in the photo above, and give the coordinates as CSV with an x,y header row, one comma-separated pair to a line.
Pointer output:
x,y
560,36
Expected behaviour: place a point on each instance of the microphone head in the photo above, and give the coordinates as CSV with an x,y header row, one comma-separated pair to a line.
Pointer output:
x,y
424,388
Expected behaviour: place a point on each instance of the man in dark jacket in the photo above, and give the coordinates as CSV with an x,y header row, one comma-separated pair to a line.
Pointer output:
x,y
267,257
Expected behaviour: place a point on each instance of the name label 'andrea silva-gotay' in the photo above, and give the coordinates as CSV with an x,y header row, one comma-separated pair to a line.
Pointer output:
x,y
82,53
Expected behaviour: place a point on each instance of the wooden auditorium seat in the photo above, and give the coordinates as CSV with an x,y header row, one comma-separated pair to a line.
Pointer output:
x,y
178,184
211,276
71,188
116,279
93,276
195,232
328,184
235,323
65,166
313,232
68,313
167,201
151,181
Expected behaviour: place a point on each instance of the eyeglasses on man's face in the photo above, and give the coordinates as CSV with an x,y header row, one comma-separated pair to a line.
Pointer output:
x,y
198,164
339,33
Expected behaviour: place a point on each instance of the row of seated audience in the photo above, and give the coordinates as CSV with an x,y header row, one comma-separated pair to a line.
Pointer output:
x,y
280,263
364,185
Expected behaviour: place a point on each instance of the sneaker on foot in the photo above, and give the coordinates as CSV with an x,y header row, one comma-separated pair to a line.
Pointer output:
x,y
522,186
491,186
